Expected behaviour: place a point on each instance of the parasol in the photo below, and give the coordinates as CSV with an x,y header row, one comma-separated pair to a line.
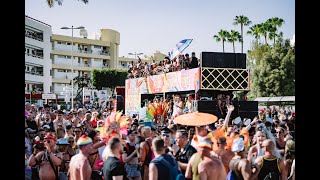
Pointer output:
x,y
181,46
195,119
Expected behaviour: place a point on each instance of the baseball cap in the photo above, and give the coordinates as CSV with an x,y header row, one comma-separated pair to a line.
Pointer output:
x,y
46,126
132,132
48,136
166,130
62,141
29,130
237,145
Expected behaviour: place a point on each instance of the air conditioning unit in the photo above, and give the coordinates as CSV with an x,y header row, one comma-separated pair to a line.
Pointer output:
x,y
194,106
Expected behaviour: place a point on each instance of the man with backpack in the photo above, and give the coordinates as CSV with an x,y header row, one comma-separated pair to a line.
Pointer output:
x,y
163,166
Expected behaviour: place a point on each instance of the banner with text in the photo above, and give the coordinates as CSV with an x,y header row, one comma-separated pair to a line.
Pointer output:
x,y
184,80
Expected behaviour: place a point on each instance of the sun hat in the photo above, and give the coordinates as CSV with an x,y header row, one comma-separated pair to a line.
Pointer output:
x,y
62,141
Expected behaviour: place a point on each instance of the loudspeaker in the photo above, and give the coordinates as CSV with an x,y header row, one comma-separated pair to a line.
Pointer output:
x,y
207,59
218,60
248,114
204,105
248,106
120,103
241,61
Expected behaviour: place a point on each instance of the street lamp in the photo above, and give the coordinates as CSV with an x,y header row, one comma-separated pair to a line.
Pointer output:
x,y
72,28
135,54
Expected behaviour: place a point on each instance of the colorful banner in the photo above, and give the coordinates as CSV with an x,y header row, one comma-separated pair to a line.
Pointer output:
x,y
184,80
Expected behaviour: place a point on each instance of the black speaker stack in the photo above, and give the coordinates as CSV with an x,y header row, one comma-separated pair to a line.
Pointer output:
x,y
223,60
244,109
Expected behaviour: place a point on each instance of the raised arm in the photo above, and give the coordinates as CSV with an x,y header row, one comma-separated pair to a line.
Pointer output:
x,y
226,120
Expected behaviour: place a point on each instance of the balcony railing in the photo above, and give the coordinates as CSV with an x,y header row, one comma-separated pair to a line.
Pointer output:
x,y
35,55
33,35
34,73
105,53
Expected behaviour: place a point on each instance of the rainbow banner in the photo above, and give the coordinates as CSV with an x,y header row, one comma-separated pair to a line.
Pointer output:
x,y
184,80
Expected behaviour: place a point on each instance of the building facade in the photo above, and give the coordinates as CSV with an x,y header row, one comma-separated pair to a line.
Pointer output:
x,y
88,54
38,78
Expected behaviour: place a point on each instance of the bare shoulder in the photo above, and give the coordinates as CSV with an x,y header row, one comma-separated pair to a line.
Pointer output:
x,y
259,160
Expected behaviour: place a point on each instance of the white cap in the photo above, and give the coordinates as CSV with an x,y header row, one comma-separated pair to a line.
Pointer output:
x,y
37,138
237,145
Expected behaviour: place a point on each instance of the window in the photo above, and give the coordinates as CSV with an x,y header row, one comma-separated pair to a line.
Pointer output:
x,y
59,42
62,57
61,70
68,43
50,72
68,57
97,47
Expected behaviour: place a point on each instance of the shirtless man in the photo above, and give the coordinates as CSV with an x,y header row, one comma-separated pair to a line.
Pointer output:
x,y
46,171
224,155
79,167
77,119
271,165
203,165
240,166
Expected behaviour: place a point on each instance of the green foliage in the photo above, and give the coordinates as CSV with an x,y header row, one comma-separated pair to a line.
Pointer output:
x,y
272,69
109,78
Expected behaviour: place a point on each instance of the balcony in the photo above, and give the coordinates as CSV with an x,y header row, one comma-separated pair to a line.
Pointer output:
x,y
34,35
40,56
106,53
34,73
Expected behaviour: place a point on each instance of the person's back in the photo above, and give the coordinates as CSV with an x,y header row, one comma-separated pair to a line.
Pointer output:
x,y
112,167
194,62
211,169
163,171
270,168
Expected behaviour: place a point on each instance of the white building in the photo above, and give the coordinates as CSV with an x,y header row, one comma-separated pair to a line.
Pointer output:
x,y
38,78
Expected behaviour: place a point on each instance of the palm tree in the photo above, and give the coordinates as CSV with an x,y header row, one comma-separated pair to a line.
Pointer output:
x,y
222,36
264,28
52,2
243,21
234,36
275,22
254,31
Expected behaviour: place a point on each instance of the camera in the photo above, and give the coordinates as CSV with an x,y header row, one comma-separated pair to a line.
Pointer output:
x,y
39,146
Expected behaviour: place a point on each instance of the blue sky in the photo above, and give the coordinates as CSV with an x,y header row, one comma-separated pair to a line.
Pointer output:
x,y
146,26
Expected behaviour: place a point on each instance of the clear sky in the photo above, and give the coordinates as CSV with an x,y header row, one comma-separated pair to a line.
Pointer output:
x,y
149,25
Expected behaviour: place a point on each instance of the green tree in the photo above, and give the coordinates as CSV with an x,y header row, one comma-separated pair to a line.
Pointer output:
x,y
243,21
254,31
52,2
234,36
109,78
223,36
272,69
274,22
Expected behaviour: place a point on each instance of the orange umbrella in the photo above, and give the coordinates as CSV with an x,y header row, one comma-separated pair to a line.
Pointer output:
x,y
196,119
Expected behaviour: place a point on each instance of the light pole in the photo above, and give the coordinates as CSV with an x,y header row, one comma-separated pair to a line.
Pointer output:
x,y
135,54
72,28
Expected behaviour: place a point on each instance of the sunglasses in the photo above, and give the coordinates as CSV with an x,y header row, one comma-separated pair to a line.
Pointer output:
x,y
165,134
70,141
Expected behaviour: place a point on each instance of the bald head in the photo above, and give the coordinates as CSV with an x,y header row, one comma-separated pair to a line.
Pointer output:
x,y
269,144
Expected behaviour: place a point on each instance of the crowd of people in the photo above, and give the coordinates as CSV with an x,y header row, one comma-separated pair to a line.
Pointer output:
x,y
141,69
69,145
